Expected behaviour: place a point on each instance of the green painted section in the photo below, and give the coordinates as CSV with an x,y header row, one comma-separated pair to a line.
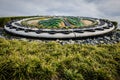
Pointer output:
x,y
75,21
52,23
55,22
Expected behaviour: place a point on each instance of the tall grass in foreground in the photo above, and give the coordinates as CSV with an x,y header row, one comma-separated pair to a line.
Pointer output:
x,y
22,60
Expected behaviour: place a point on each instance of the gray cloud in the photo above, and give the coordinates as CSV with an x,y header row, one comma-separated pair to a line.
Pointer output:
x,y
69,7
48,7
110,8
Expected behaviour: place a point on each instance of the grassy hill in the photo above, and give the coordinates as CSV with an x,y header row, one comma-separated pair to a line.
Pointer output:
x,y
4,20
22,60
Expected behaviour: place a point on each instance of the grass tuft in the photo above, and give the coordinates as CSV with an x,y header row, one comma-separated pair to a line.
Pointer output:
x,y
22,60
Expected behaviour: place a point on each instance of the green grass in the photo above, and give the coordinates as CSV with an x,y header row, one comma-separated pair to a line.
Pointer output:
x,y
4,20
22,60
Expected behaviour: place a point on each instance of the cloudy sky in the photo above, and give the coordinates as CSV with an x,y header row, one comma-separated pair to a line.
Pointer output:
x,y
90,8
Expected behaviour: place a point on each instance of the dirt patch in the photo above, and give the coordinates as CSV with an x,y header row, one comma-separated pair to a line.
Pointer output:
x,y
87,22
62,24
33,22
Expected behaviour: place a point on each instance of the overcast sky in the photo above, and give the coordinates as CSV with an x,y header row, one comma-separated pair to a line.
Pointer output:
x,y
90,8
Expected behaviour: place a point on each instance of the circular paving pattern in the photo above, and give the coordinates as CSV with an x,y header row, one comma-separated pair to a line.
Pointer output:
x,y
60,27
